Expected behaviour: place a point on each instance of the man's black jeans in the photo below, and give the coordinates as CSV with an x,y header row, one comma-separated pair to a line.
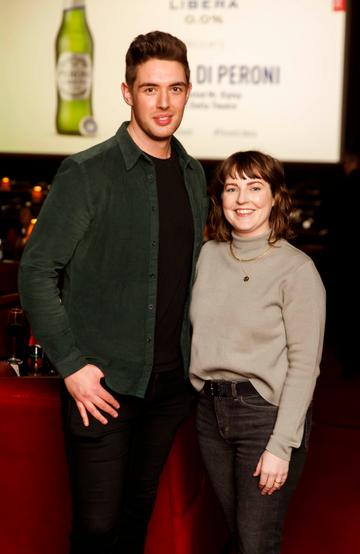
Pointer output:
x,y
233,433
115,468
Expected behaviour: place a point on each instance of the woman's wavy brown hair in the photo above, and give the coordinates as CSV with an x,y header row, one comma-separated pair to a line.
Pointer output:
x,y
252,165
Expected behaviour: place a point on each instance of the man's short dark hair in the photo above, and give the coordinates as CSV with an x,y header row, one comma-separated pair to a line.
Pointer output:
x,y
156,44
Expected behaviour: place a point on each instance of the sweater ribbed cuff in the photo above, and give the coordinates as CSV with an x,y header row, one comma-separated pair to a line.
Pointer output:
x,y
279,449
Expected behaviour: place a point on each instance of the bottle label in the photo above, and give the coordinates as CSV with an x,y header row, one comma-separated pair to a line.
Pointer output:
x,y
73,75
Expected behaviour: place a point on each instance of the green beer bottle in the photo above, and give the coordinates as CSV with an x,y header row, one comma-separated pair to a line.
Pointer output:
x,y
74,70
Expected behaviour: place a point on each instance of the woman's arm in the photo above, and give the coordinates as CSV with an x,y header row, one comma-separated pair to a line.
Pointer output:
x,y
304,321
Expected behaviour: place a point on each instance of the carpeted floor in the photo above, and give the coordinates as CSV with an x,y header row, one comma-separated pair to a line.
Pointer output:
x,y
324,517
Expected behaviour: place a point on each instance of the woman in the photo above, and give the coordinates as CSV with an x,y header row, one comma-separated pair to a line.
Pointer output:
x,y
258,312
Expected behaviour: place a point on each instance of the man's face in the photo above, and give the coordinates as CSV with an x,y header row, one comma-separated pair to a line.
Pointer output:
x,y
158,98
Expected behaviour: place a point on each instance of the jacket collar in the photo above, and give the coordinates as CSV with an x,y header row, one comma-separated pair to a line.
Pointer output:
x,y
131,152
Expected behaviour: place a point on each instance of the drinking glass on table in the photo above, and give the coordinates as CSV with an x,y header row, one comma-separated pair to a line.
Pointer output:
x,y
15,329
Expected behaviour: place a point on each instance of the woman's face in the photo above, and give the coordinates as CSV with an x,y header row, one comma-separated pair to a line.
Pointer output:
x,y
247,205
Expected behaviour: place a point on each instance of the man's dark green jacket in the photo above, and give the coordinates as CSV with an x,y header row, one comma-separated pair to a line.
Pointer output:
x,y
99,230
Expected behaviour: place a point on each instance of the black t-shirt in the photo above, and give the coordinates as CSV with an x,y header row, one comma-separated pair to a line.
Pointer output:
x,y
176,238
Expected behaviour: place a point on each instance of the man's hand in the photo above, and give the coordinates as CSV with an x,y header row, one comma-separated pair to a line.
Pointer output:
x,y
273,472
84,386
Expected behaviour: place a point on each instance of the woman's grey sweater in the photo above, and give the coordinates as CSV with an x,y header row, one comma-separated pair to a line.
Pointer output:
x,y
268,329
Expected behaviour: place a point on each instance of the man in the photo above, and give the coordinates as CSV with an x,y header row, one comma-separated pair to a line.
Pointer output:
x,y
123,227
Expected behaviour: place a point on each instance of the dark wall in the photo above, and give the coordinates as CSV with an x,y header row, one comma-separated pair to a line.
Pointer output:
x,y
352,79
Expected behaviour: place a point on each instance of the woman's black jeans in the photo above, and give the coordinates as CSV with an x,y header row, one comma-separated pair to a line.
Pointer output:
x,y
115,468
233,433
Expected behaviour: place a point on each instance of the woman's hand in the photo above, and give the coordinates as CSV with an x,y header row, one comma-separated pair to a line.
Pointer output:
x,y
273,472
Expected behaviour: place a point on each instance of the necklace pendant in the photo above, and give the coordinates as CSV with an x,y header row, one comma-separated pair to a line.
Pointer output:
x,y
246,278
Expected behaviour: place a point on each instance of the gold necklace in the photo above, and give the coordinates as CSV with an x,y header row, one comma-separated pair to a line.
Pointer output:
x,y
240,260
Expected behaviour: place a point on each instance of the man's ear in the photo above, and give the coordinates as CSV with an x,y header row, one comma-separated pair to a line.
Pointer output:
x,y
188,91
126,92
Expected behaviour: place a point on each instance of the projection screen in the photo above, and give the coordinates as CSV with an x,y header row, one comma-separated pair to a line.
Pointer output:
x,y
266,74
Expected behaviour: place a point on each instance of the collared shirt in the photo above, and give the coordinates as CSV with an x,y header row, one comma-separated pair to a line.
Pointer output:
x,y
98,232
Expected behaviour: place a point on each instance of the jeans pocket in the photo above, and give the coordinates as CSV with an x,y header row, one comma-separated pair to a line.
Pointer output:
x,y
257,401
72,420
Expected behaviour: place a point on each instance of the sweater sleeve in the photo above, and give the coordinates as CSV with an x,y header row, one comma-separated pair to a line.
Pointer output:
x,y
63,220
304,321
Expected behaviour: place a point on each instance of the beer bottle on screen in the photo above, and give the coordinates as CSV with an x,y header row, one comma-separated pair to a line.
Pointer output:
x,y
74,72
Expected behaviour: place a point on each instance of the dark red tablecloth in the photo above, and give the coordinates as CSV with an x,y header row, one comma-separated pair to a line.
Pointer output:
x,y
34,492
